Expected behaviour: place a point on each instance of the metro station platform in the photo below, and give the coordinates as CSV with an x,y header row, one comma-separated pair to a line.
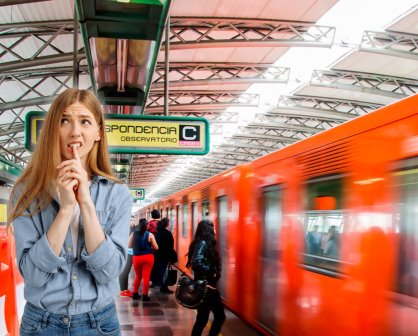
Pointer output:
x,y
163,316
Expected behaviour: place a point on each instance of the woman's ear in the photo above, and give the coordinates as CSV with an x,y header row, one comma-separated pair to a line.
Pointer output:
x,y
98,137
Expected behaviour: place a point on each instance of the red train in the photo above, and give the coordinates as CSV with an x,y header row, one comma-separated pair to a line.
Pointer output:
x,y
320,237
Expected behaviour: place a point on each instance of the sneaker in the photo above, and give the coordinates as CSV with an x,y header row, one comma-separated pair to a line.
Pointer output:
x,y
136,296
146,298
126,292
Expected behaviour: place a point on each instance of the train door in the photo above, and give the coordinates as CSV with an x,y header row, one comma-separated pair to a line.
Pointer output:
x,y
407,232
222,240
270,265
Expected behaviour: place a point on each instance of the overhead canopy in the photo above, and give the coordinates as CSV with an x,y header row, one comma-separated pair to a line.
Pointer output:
x,y
264,73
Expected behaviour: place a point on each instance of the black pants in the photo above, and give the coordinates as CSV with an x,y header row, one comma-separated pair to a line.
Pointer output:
x,y
212,303
124,276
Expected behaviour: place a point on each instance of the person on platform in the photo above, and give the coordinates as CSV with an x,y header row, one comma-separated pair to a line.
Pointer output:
x,y
124,276
70,217
166,253
143,244
152,227
203,257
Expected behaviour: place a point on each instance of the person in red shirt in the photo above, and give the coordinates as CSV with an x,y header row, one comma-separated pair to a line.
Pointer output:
x,y
152,224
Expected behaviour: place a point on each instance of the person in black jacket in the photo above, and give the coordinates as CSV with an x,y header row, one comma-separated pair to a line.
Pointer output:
x,y
165,252
204,259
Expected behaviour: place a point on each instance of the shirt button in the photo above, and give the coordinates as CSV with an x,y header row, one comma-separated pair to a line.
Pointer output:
x,y
69,249
75,277
65,320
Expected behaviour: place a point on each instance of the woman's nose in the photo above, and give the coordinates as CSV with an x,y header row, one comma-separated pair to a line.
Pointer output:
x,y
75,130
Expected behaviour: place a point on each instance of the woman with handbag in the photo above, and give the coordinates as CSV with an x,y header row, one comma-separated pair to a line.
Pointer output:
x,y
164,254
204,259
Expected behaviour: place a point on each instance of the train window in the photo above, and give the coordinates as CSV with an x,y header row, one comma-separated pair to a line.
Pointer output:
x,y
272,222
222,203
323,224
194,216
171,216
178,224
205,209
184,224
408,232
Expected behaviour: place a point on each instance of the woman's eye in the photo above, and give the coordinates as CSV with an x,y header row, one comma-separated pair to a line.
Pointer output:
x,y
85,122
64,121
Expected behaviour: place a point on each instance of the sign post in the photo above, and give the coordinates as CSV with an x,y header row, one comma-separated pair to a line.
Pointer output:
x,y
138,194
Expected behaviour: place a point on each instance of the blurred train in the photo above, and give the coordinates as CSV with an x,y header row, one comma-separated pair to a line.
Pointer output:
x,y
320,237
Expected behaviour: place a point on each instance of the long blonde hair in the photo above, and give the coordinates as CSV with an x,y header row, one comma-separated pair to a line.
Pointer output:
x,y
37,182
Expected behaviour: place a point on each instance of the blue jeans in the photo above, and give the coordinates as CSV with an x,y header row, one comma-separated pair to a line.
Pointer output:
x,y
38,322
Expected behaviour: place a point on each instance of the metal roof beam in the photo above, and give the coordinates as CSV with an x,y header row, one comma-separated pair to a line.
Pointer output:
x,y
276,125
29,74
388,86
13,130
204,32
351,107
390,43
195,73
43,60
265,137
27,102
194,100
306,112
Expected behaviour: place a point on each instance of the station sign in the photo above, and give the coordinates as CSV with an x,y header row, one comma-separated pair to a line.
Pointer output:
x,y
138,194
140,134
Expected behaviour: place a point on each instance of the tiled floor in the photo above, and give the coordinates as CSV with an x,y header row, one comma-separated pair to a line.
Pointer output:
x,y
162,316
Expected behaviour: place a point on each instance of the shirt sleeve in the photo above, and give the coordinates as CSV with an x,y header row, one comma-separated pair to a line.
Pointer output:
x,y
109,259
36,260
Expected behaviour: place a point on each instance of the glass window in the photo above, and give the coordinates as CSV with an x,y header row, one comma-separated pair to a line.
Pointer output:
x,y
205,209
194,217
178,224
171,216
184,226
323,224
408,232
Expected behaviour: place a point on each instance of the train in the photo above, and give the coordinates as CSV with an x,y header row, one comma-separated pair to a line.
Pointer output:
x,y
319,237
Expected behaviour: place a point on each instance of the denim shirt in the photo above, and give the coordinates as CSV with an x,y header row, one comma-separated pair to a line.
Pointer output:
x,y
66,284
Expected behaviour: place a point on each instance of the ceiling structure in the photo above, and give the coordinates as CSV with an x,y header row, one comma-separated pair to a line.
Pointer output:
x,y
236,63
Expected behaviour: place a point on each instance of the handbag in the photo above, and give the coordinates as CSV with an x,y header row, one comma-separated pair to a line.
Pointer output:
x,y
170,276
191,293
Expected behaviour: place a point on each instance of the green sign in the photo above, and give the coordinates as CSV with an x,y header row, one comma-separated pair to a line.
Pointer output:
x,y
138,194
140,134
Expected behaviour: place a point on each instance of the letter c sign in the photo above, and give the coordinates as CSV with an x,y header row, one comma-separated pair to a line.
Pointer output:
x,y
189,133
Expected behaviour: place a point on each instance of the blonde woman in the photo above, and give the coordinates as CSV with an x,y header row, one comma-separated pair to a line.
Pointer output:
x,y
71,222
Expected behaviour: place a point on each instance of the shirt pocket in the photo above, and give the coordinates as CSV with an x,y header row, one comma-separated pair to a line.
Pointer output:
x,y
105,218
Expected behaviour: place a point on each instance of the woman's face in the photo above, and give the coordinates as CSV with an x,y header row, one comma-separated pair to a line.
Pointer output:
x,y
78,126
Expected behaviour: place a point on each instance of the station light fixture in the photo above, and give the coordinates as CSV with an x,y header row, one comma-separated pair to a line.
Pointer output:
x,y
122,40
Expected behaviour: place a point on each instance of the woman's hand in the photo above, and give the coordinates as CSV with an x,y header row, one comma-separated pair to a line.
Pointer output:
x,y
71,172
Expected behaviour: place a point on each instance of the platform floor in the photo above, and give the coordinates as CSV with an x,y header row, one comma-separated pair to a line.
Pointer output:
x,y
163,316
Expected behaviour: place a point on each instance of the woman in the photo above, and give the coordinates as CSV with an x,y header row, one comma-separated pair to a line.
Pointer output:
x,y
71,221
204,259
143,244
166,252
